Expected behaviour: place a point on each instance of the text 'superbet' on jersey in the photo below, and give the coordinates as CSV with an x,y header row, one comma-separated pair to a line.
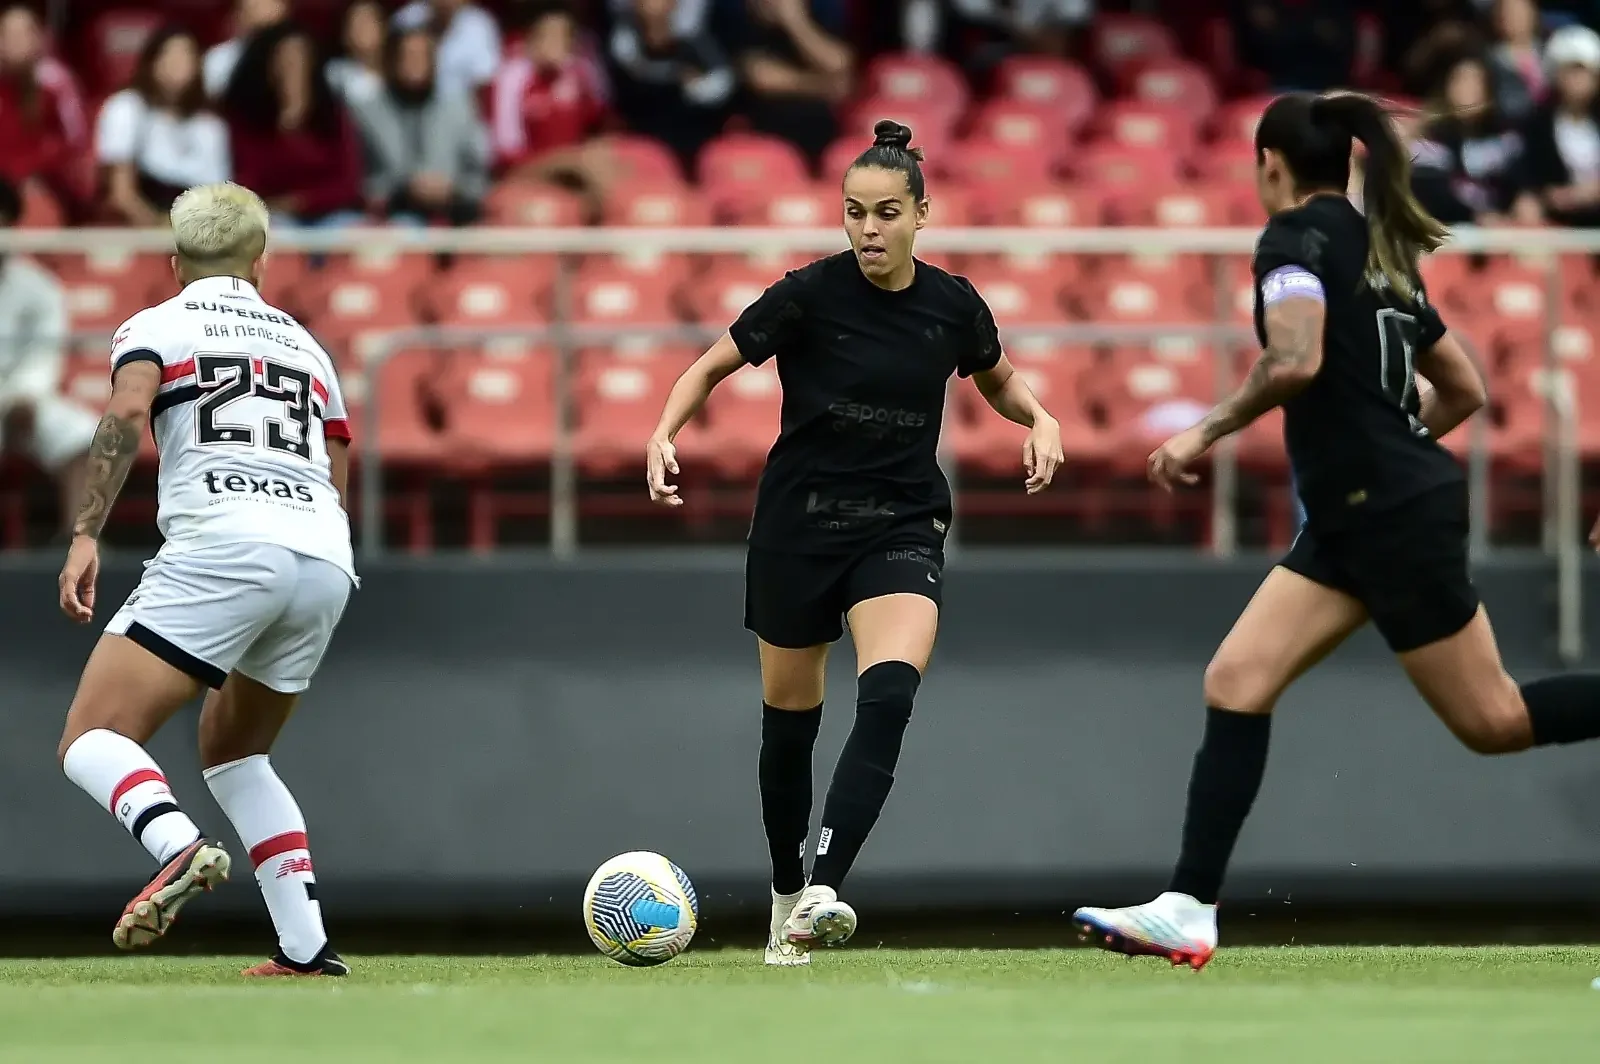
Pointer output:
x,y
1353,435
864,372
247,402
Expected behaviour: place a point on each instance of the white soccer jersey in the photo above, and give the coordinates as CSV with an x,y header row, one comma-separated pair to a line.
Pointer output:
x,y
248,401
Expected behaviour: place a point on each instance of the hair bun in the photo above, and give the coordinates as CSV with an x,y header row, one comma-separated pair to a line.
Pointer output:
x,y
891,134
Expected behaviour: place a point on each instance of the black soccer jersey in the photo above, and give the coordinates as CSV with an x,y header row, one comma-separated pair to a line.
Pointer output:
x,y
1353,437
864,373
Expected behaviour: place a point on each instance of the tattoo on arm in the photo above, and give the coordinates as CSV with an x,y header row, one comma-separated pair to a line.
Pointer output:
x,y
1292,357
111,455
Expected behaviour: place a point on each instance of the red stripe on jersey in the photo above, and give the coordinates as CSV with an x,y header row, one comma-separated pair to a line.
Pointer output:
x,y
177,371
336,428
132,780
262,852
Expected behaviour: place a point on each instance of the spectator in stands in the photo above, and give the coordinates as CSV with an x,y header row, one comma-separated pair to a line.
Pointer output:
x,y
689,17
1297,44
1515,60
290,138
34,417
429,150
547,103
469,40
672,84
44,135
1564,135
1469,164
155,138
249,18
994,29
796,69
357,74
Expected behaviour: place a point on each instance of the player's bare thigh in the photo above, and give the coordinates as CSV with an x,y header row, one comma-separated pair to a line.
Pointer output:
x,y
792,678
125,689
900,627
241,720
1289,625
1463,680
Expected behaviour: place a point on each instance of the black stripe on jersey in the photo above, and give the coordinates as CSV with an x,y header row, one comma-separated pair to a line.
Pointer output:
x,y
176,656
138,354
177,397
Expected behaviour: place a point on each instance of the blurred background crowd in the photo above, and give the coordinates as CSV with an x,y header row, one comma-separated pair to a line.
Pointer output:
x,y
672,113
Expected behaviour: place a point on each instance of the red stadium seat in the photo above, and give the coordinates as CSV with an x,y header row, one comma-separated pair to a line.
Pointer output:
x,y
1051,206
619,400
104,289
925,80
605,295
987,168
485,294
742,419
1023,126
500,408
405,389
347,310
1176,83
798,206
987,444
721,296
1122,44
740,161
657,206
1112,167
1193,207
1155,288
931,127
1226,162
1021,298
638,160
1046,81
525,203
1236,121
1148,126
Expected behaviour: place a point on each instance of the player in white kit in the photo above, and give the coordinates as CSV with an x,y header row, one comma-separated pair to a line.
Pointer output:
x,y
243,596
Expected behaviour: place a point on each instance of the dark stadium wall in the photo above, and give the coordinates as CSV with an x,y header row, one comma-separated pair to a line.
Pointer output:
x,y
489,732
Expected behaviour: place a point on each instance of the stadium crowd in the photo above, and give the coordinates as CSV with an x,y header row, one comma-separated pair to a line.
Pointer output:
x,y
690,112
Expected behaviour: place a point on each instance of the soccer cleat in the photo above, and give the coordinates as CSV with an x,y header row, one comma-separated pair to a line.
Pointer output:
x,y
326,962
1174,926
780,952
201,866
819,919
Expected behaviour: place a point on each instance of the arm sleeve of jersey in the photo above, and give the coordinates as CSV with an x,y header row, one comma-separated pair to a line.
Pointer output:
x,y
770,326
1286,243
1431,327
335,417
135,342
982,350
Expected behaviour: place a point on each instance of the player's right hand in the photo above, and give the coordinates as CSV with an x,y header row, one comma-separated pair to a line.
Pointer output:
x,y
78,578
661,461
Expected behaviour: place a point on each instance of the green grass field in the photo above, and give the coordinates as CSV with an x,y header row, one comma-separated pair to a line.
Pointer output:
x,y
1284,1005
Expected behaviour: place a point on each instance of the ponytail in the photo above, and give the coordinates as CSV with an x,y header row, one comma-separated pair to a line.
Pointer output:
x,y
1401,229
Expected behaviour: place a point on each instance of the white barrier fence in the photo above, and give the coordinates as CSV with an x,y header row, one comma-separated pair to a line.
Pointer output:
x,y
1563,523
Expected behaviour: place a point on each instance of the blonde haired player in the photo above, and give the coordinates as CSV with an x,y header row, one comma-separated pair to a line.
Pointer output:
x,y
244,594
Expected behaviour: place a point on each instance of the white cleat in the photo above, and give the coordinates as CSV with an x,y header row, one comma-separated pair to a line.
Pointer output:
x,y
819,919
1174,926
780,952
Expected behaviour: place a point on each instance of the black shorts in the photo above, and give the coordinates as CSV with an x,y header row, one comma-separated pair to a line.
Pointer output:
x,y
799,600
1407,566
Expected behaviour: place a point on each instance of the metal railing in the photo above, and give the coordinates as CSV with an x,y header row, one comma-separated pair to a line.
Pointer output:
x,y
1561,475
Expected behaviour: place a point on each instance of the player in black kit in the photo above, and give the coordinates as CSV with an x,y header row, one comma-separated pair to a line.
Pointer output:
x,y
1345,327
852,510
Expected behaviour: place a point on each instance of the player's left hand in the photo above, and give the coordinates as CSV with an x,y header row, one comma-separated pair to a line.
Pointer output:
x,y
78,579
1041,454
1169,464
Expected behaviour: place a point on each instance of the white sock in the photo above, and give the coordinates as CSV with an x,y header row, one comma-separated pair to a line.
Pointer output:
x,y
271,826
116,772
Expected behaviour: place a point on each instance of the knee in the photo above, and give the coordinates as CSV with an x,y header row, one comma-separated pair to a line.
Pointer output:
x,y
887,691
1236,682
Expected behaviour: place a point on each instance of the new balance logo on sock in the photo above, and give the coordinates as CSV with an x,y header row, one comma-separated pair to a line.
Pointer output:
x,y
823,841
292,865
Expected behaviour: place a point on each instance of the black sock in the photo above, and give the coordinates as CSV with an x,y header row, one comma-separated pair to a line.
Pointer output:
x,y
1222,787
865,771
787,739
1563,709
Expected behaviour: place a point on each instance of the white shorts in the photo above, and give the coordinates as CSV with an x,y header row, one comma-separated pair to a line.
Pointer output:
x,y
257,608
62,431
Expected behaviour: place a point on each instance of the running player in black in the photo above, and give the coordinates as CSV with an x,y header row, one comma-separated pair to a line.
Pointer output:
x,y
852,510
1345,327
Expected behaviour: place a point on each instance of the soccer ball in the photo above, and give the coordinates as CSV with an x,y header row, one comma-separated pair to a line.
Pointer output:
x,y
640,909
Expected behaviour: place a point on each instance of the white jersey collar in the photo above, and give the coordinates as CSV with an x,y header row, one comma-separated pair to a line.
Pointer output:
x,y
236,287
